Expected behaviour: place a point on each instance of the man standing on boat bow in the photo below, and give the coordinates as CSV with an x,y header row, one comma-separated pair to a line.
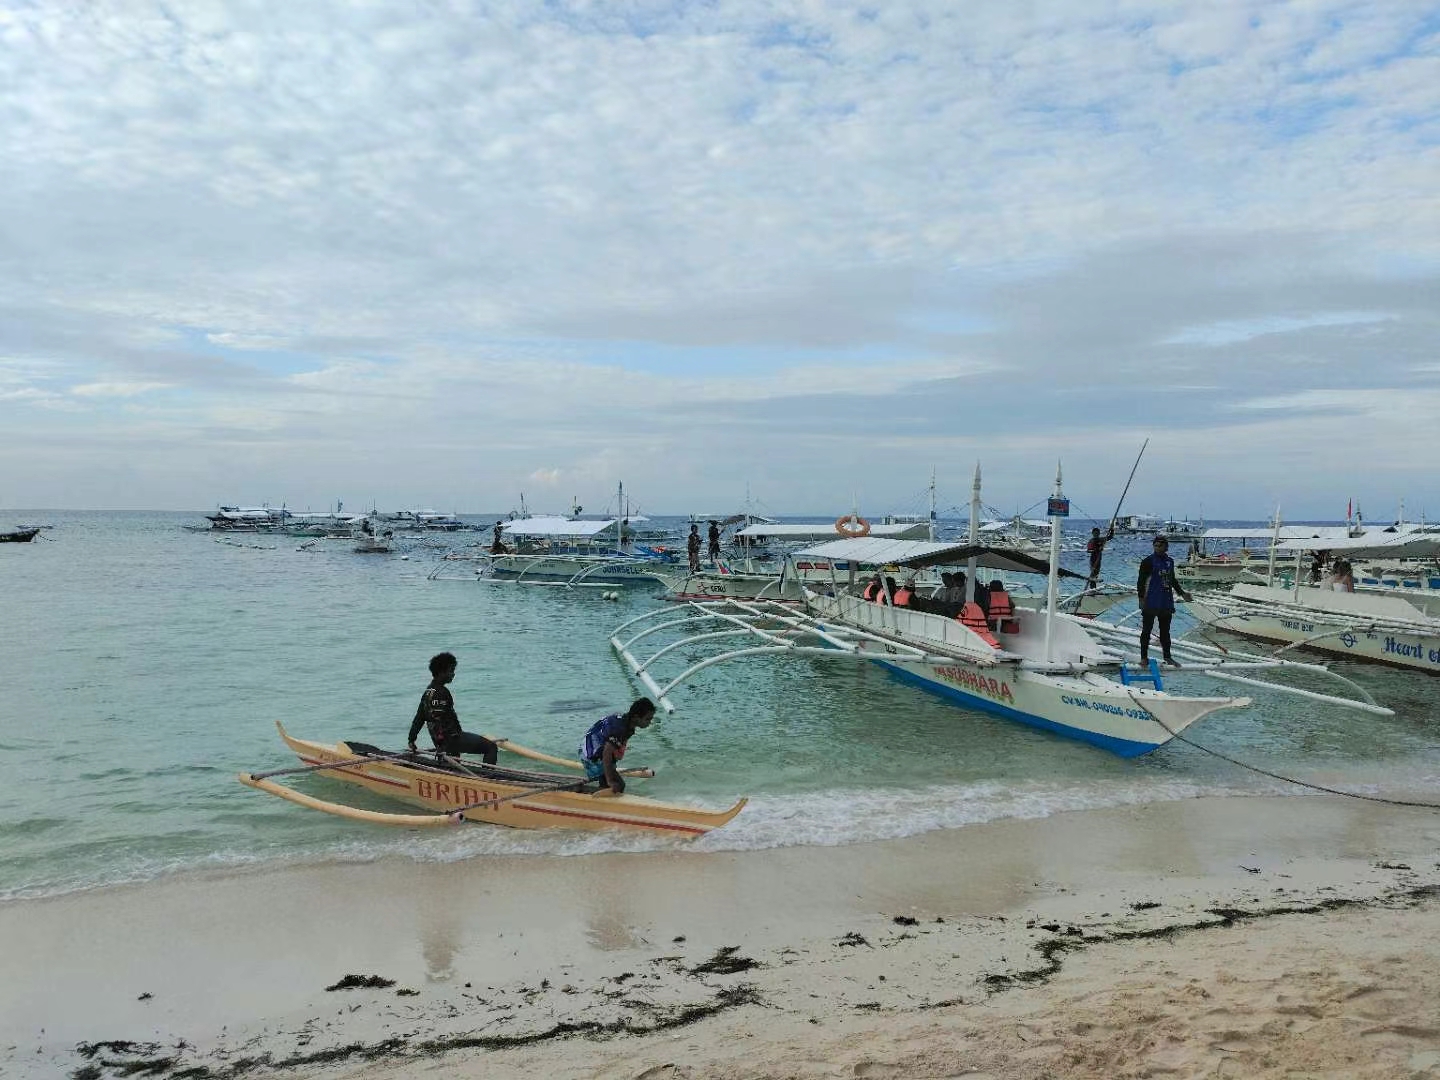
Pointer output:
x,y
1156,588
605,743
437,714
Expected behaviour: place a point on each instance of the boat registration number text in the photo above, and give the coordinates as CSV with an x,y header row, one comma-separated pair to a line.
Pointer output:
x,y
1106,707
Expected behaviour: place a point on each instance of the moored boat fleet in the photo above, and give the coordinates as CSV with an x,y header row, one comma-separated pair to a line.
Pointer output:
x,y
989,620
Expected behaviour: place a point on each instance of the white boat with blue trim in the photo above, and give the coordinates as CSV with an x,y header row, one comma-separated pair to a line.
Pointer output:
x,y
1048,670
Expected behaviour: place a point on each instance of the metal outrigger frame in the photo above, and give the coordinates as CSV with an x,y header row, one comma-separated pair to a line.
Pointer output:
x,y
779,626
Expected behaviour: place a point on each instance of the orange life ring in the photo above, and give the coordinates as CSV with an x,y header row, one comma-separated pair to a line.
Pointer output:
x,y
852,526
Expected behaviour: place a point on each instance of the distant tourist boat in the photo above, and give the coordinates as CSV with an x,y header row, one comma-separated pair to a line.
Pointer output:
x,y
20,536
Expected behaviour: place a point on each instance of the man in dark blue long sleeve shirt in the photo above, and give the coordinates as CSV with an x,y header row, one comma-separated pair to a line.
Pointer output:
x,y
1156,589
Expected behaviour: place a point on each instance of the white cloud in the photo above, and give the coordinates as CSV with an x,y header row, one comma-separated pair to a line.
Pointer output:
x,y
695,243
116,389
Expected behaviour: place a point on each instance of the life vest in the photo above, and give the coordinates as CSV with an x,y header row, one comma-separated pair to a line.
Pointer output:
x,y
605,729
902,597
870,591
1002,612
973,617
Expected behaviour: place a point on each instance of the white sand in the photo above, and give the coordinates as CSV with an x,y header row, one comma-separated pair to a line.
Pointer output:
x,y
976,987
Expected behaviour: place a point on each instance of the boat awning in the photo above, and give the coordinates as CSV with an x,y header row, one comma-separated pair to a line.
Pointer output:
x,y
1287,532
1011,523
557,526
877,551
1375,545
820,532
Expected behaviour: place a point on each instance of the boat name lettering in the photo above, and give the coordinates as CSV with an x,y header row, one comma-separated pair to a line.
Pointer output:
x,y
1414,652
456,794
995,688
1295,624
1106,707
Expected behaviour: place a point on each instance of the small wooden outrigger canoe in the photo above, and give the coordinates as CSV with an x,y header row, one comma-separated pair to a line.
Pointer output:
x,y
479,793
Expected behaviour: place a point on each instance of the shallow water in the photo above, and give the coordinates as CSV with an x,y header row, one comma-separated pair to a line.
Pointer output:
x,y
145,665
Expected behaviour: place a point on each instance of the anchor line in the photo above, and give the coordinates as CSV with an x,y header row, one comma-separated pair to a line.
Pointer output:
x,y
1279,776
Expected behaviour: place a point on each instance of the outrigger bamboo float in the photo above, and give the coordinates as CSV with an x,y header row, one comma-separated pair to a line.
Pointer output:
x,y
454,792
1050,670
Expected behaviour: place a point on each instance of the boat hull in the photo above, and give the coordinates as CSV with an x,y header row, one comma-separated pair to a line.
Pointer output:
x,y
576,569
447,793
20,536
1126,721
1396,647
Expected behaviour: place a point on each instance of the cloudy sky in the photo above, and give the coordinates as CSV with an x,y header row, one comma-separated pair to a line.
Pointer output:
x,y
442,253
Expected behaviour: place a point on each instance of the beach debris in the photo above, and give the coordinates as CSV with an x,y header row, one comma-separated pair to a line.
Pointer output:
x,y
853,940
1391,866
1144,905
362,982
405,991
678,940
146,996
726,961
905,920
1250,869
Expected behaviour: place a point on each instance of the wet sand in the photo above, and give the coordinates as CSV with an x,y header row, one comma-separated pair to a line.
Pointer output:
x,y
1212,937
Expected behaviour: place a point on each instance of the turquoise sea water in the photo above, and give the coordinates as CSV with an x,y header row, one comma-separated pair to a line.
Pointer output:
x,y
143,666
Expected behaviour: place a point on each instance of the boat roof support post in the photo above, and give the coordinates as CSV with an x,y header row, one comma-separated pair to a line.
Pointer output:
x,y
1052,587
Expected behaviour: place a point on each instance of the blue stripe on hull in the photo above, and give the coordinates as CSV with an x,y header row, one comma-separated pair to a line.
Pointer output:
x,y
1126,748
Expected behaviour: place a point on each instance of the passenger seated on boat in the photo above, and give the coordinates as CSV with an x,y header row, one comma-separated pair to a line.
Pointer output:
x,y
436,713
1002,609
883,597
906,594
955,593
973,616
873,589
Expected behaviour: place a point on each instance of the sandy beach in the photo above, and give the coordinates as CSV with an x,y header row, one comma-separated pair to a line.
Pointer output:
x,y
1254,937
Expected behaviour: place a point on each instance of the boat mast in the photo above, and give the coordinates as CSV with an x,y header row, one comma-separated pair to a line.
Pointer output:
x,y
932,504
974,527
1274,542
1052,587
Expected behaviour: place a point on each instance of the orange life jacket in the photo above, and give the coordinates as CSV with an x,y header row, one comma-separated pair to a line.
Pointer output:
x,y
870,591
971,616
902,597
1002,612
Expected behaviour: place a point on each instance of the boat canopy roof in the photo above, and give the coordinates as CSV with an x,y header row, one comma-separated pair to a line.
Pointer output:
x,y
1287,532
1373,545
1010,523
908,531
558,526
878,551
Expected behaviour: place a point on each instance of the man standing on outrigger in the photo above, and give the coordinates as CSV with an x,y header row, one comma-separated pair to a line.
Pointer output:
x,y
437,713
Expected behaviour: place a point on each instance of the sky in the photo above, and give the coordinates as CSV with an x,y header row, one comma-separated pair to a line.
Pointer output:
x,y
441,254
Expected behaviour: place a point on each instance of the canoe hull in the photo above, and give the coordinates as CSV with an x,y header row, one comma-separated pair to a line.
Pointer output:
x,y
446,793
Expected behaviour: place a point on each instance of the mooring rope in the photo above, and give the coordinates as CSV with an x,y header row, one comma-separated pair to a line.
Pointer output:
x,y
1275,775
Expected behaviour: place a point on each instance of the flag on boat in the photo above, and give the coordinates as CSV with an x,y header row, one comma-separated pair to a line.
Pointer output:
x,y
1349,508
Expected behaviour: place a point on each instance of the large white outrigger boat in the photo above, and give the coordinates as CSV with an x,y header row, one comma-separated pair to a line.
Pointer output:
x,y
1387,625
1048,670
